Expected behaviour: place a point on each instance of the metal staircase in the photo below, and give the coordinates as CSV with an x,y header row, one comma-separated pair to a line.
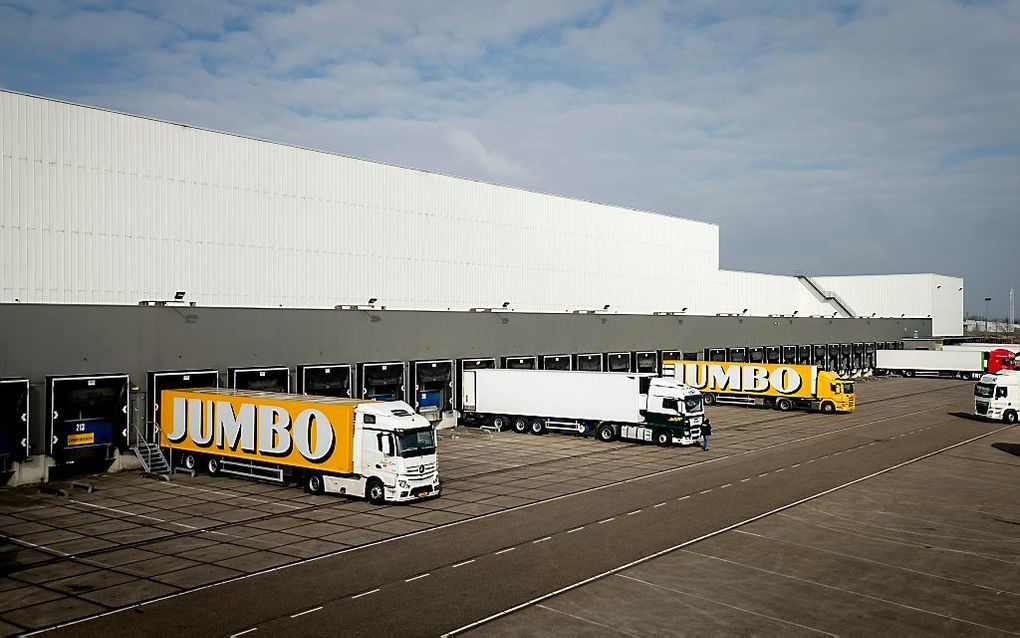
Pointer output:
x,y
151,457
827,295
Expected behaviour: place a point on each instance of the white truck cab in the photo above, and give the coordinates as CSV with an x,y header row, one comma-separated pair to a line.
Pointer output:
x,y
997,396
394,455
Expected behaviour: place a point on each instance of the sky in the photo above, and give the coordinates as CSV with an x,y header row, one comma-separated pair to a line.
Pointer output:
x,y
823,137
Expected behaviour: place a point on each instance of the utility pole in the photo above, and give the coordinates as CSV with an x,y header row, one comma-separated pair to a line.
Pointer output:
x,y
1012,312
987,299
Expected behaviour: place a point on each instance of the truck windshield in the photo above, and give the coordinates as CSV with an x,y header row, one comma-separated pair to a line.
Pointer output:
x,y
416,442
848,388
693,404
984,390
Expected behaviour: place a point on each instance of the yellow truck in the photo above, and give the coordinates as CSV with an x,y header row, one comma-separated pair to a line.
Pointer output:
x,y
783,387
379,450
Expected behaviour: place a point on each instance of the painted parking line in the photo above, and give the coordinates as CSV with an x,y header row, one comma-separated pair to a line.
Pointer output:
x,y
633,513
307,611
503,551
364,593
419,576
577,529
714,533
745,480
462,563
657,505
611,518
724,486
241,633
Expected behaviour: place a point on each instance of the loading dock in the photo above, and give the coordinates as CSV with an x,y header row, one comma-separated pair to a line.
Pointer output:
x,y
820,356
326,379
14,422
715,354
520,362
483,363
756,354
737,355
87,416
791,354
588,362
434,388
268,379
617,362
383,381
555,362
805,354
773,354
647,361
159,380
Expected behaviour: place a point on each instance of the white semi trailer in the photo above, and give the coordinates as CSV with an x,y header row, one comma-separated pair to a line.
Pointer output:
x,y
966,364
635,407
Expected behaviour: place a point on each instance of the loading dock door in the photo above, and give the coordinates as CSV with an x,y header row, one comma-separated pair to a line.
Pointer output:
x,y
821,356
646,361
716,354
326,379
520,363
14,422
805,354
737,355
383,381
756,355
617,362
555,362
588,362
434,388
465,365
271,379
87,416
790,355
160,380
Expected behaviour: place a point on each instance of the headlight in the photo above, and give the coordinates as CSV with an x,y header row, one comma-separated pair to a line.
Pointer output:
x,y
403,483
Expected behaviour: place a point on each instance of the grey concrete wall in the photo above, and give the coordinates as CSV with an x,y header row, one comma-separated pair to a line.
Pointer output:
x,y
38,340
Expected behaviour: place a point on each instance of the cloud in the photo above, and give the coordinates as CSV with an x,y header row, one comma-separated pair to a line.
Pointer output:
x,y
834,137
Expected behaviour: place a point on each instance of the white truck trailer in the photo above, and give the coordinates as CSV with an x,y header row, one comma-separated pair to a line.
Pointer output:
x,y
965,364
997,396
635,407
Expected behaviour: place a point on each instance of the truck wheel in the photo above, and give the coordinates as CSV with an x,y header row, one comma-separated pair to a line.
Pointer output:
x,y
190,462
375,492
314,484
908,373
538,426
784,405
213,466
520,425
663,438
606,433
709,399
828,407
1009,416
499,423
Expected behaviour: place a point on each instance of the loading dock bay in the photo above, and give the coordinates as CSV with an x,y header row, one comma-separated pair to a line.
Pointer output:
x,y
135,539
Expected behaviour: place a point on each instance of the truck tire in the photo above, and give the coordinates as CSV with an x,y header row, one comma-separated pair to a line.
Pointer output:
x,y
605,433
375,492
538,426
521,425
663,438
213,465
908,373
828,407
1009,417
784,404
314,483
499,422
708,399
190,462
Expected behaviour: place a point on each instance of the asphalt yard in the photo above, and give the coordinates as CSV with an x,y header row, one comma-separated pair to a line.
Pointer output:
x,y
132,540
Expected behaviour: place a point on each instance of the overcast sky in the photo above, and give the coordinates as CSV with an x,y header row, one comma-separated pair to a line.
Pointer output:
x,y
822,137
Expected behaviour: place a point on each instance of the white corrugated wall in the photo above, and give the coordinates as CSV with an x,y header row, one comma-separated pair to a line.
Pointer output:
x,y
101,207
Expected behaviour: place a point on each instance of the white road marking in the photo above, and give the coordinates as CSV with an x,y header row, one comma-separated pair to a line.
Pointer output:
x,y
541,540
503,551
365,593
795,465
754,613
722,487
430,530
851,592
633,513
657,505
413,578
37,546
230,495
611,518
705,491
745,480
307,611
763,475
462,563
241,633
810,460
576,529
782,469
717,532
587,620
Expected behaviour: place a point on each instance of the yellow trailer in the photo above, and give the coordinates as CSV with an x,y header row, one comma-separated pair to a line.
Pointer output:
x,y
783,387
381,450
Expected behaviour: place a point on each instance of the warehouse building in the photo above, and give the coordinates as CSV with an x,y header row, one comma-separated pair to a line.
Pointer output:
x,y
285,256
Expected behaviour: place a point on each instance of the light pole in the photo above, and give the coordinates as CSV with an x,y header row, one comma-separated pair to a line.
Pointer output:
x,y
987,299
